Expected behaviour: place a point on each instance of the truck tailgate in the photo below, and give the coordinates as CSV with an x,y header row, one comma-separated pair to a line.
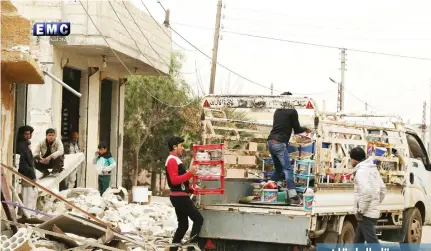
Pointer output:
x,y
274,224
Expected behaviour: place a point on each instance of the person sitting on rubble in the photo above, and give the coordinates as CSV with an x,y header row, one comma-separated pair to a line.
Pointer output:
x,y
49,154
104,163
178,181
285,120
26,167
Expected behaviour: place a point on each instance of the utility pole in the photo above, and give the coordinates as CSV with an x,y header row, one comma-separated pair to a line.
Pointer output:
x,y
340,101
272,89
424,122
366,106
215,48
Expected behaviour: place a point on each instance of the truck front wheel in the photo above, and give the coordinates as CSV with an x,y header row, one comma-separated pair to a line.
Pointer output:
x,y
414,226
347,233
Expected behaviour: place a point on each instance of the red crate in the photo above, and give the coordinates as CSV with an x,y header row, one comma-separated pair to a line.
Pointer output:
x,y
197,177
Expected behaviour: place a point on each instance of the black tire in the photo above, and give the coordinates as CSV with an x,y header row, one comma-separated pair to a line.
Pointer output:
x,y
414,226
347,233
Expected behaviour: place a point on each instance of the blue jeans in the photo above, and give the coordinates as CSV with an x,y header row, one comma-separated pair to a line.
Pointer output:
x,y
280,157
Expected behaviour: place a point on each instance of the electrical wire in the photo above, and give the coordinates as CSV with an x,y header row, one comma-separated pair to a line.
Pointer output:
x,y
307,43
360,100
121,61
145,6
143,34
139,28
218,63
328,46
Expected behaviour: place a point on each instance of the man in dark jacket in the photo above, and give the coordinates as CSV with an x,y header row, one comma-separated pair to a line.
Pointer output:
x,y
285,120
178,180
26,167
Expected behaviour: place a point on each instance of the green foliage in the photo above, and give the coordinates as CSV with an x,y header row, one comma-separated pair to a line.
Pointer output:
x,y
151,118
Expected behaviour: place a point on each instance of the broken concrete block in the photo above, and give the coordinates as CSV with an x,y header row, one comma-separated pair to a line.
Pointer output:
x,y
247,160
235,173
230,159
252,146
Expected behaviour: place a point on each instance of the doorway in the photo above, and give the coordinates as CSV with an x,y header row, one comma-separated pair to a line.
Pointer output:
x,y
105,112
70,103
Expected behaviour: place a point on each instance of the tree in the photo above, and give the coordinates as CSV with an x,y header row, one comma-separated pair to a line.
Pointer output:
x,y
150,118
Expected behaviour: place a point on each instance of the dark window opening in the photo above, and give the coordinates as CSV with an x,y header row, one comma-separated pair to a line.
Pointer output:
x,y
105,112
70,103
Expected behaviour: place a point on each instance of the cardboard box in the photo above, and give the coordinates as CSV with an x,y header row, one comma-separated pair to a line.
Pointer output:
x,y
247,160
230,159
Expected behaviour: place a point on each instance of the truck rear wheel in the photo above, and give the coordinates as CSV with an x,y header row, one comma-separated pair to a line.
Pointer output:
x,y
414,226
347,233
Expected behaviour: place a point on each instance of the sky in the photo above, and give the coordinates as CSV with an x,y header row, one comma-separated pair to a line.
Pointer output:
x,y
388,84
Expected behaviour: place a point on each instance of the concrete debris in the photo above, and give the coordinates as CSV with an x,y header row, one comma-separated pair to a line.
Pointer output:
x,y
19,241
148,223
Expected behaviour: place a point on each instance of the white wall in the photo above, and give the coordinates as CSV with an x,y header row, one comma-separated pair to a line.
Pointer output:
x,y
108,23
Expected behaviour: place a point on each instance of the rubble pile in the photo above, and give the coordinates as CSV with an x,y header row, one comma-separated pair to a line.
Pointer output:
x,y
155,222
156,219
147,226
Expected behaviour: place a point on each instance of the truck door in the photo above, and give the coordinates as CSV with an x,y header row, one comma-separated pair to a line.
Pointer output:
x,y
421,168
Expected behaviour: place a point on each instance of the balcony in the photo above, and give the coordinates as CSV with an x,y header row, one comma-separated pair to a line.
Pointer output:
x,y
86,40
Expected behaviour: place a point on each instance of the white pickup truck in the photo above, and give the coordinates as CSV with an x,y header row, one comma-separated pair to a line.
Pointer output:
x,y
405,168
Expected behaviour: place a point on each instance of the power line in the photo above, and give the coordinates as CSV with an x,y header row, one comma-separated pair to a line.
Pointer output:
x,y
218,63
116,55
328,46
139,28
143,34
310,44
145,6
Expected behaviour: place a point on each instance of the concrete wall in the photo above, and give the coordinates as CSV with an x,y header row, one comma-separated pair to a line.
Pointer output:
x,y
7,121
44,101
108,23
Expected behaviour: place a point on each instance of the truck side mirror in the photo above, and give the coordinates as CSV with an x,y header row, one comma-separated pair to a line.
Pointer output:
x,y
412,178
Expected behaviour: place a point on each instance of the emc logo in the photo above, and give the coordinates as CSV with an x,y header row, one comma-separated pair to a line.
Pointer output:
x,y
51,29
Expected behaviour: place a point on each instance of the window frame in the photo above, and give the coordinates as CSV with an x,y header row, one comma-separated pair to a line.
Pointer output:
x,y
421,145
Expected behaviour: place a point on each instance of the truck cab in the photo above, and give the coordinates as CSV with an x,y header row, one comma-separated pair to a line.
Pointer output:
x,y
402,161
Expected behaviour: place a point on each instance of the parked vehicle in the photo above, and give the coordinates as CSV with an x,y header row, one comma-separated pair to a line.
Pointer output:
x,y
402,160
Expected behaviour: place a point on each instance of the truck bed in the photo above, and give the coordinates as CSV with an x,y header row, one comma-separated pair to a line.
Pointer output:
x,y
234,221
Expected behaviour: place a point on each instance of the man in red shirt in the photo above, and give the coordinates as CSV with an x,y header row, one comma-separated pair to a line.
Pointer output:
x,y
178,180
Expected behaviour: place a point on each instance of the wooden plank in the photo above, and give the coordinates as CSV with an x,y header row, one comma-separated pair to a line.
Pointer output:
x,y
234,129
54,195
5,196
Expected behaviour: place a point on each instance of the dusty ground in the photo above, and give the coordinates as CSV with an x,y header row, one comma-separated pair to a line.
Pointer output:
x,y
426,235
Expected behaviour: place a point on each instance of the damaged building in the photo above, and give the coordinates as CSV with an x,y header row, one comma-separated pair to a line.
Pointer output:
x,y
77,84
84,79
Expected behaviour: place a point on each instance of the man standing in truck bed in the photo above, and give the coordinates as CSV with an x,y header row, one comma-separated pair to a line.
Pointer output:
x,y
284,121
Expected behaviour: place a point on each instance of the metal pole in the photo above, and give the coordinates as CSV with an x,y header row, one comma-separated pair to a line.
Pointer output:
x,y
215,48
343,68
63,84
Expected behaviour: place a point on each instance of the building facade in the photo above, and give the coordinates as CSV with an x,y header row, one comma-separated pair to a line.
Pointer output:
x,y
17,67
84,80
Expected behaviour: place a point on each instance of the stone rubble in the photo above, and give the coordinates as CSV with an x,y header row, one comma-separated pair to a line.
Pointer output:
x,y
154,222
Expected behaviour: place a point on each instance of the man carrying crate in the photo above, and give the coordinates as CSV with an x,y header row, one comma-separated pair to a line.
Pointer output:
x,y
178,180
285,120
